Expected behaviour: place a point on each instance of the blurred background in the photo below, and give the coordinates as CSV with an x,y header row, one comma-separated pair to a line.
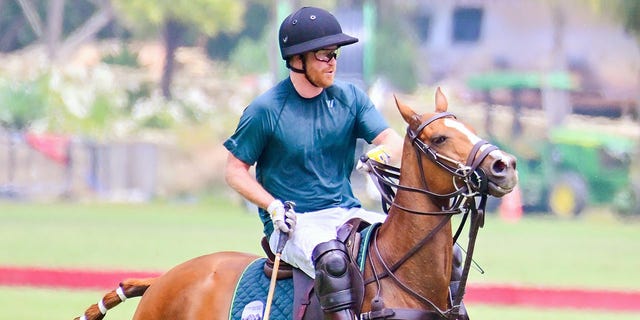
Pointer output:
x,y
131,100
113,114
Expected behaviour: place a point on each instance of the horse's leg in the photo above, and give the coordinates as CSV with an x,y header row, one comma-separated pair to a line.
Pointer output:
x,y
201,288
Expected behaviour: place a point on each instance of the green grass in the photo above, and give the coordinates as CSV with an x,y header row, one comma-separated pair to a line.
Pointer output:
x,y
155,236
593,252
44,304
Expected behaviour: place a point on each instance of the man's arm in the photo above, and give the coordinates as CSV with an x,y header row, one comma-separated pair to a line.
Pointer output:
x,y
392,142
239,178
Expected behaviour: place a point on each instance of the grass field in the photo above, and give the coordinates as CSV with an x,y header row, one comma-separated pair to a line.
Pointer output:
x,y
596,251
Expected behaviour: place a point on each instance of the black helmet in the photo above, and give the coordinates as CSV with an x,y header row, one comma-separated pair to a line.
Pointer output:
x,y
310,29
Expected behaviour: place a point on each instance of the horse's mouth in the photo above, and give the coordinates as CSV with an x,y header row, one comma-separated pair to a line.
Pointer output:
x,y
499,190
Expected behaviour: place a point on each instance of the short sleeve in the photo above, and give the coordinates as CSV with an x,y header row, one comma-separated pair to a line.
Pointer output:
x,y
251,135
369,121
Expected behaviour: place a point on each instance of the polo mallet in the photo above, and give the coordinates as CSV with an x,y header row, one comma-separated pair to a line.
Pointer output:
x,y
282,240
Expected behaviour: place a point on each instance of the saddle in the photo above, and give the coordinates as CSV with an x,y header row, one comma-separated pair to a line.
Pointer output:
x,y
285,270
305,303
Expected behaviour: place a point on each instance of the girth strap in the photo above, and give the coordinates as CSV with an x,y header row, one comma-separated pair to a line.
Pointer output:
x,y
400,314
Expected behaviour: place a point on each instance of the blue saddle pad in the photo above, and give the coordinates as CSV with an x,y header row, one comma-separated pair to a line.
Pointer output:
x,y
251,292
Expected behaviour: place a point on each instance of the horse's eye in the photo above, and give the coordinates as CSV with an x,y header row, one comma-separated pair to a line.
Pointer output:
x,y
438,140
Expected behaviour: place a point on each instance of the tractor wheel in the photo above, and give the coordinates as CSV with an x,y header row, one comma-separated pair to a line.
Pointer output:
x,y
627,202
568,195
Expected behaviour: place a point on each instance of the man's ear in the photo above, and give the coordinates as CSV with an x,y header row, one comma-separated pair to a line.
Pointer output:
x,y
295,60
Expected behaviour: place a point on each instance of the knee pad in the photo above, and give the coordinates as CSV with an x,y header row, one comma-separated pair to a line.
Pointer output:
x,y
333,279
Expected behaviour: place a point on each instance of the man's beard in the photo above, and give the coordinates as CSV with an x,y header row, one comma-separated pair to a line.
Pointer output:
x,y
319,78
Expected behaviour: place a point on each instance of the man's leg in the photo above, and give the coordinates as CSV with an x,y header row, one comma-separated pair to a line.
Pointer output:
x,y
312,228
333,284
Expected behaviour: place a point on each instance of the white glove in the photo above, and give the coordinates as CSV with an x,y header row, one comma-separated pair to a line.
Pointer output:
x,y
285,220
378,153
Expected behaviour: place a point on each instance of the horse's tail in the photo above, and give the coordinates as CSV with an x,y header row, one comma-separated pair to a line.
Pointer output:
x,y
129,288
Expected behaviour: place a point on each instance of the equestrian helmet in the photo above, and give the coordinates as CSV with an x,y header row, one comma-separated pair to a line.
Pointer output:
x,y
310,29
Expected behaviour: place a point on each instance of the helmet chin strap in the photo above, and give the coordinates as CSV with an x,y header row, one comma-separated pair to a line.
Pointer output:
x,y
303,70
296,70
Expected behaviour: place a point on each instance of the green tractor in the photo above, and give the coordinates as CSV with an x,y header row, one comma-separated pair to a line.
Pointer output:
x,y
574,168
567,169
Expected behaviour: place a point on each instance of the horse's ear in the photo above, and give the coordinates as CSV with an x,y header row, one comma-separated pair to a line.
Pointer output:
x,y
407,113
441,101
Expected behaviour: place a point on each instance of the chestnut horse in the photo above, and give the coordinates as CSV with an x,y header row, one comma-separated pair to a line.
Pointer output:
x,y
445,167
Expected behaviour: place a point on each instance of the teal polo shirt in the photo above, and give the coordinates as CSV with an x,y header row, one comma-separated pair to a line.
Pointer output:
x,y
304,149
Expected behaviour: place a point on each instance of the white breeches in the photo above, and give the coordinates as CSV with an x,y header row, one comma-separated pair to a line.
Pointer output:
x,y
313,228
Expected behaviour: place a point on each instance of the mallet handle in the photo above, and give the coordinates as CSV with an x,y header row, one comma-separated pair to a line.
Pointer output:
x,y
288,205
272,286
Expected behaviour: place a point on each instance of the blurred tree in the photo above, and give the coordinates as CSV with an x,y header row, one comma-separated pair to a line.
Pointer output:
x,y
628,12
256,17
65,28
15,31
22,103
20,106
173,18
395,45
59,47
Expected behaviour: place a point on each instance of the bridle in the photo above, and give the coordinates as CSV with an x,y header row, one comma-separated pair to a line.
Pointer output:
x,y
469,181
472,178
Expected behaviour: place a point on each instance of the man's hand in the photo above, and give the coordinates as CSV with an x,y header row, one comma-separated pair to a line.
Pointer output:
x,y
283,219
378,153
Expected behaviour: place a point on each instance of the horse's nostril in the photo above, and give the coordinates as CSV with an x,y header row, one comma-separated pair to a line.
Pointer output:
x,y
499,166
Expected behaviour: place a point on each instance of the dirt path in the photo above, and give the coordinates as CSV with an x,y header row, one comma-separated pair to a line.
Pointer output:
x,y
536,297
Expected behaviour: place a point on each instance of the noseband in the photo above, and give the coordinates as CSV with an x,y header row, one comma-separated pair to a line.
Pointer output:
x,y
469,181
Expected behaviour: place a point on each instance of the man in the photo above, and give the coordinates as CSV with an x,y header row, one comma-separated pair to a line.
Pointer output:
x,y
301,136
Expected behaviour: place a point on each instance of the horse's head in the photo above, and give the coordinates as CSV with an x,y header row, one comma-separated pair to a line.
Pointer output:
x,y
454,150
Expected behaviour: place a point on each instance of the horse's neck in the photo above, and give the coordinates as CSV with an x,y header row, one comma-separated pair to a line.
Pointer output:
x,y
425,268
429,268
403,230
414,227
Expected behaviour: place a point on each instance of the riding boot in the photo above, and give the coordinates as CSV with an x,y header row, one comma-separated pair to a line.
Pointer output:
x,y
454,285
333,282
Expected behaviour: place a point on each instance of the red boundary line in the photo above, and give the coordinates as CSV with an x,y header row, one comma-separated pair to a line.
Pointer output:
x,y
536,297
546,297
67,278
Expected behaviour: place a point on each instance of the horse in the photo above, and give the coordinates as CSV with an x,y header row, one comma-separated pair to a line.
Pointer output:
x,y
444,168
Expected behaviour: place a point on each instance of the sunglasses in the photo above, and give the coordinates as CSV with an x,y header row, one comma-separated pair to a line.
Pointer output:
x,y
325,55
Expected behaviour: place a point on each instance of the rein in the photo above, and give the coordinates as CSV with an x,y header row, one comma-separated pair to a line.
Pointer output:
x,y
463,200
